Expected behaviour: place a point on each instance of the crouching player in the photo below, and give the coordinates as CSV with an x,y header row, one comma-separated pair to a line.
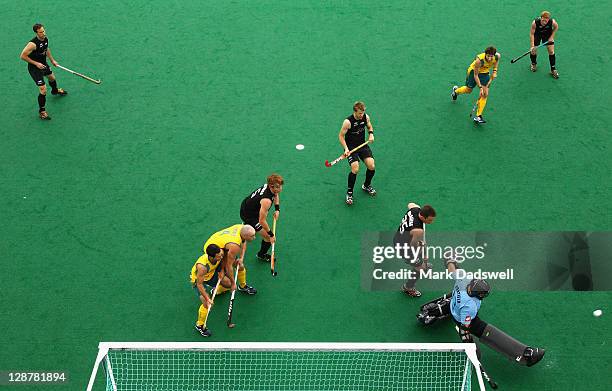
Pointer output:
x,y
215,268
463,304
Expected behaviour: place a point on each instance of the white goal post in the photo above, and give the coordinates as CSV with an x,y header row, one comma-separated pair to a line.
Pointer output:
x,y
290,366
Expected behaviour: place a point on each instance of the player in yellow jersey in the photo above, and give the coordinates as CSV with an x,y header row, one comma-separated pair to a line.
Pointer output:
x,y
221,251
480,74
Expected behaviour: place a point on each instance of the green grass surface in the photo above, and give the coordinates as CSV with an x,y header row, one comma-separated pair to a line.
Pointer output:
x,y
104,209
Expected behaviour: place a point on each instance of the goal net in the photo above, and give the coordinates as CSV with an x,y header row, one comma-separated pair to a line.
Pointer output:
x,y
254,366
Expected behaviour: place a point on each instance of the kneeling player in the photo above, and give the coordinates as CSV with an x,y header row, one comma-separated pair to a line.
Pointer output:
x,y
463,306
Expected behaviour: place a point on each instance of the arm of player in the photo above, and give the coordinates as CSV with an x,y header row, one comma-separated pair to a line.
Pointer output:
x,y
370,129
494,72
50,56
476,68
201,271
345,127
29,48
230,262
276,206
417,241
531,38
412,205
263,215
554,31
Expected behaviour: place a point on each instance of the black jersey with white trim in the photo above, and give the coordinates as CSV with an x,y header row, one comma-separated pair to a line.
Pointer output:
x,y
411,221
40,53
252,203
543,31
355,135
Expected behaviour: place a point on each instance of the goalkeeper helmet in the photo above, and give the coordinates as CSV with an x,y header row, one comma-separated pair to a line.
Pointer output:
x,y
478,288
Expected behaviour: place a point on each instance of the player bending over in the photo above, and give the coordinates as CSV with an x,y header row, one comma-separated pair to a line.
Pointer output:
x,y
543,29
254,211
412,232
221,249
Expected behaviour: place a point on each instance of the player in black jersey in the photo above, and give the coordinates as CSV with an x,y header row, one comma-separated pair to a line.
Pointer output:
x,y
412,232
352,134
544,29
254,211
35,54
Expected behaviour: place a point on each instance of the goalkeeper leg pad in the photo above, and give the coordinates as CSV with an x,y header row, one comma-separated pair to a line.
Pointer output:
x,y
510,347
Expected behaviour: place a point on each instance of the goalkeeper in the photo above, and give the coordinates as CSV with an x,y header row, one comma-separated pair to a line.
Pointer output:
x,y
463,304
222,249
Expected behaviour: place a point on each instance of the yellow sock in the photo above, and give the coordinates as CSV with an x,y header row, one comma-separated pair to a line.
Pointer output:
x,y
462,90
202,312
242,277
221,289
482,102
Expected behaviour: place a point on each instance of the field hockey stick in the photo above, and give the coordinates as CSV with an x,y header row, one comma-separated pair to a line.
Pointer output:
x,y
527,52
486,377
274,273
474,107
212,300
230,310
329,164
80,75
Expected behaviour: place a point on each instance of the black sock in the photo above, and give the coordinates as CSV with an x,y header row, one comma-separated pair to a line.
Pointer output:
x,y
552,60
533,58
369,176
53,85
265,246
351,181
42,99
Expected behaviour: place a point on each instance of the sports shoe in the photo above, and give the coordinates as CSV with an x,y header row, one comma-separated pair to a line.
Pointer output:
x,y
533,355
369,189
60,92
203,330
44,115
479,120
264,257
454,93
247,289
554,74
412,292
533,67
349,199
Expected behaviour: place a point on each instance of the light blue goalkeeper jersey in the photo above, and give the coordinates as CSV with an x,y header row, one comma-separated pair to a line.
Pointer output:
x,y
464,307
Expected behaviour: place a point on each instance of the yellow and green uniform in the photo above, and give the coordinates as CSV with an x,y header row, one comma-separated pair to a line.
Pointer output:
x,y
225,236
483,76
212,268
222,239
483,71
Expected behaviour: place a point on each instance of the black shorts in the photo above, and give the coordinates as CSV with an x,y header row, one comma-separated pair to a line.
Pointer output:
x,y
538,39
253,221
38,74
405,238
363,153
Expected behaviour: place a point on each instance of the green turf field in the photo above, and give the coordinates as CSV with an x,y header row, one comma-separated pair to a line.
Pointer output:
x,y
104,209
